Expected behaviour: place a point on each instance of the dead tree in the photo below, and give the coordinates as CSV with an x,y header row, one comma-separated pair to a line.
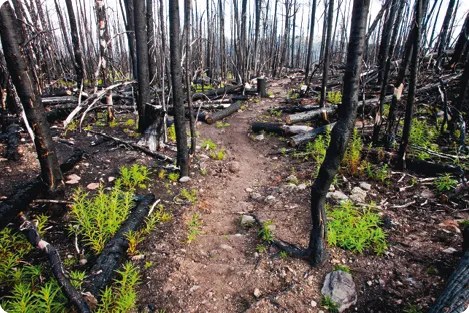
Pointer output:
x,y
187,26
412,84
151,42
327,51
130,27
311,40
78,64
104,42
27,90
176,77
444,31
462,43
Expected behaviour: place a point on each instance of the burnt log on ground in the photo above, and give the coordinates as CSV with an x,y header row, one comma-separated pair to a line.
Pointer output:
x,y
295,109
110,259
13,135
216,92
27,192
304,138
210,119
280,129
29,229
455,296
307,116
156,155
59,100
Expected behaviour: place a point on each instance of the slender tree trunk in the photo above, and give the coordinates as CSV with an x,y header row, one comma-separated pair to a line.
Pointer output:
x,y
256,40
143,74
27,91
187,24
292,55
222,41
444,31
462,102
176,77
341,133
151,42
462,43
325,76
130,28
311,40
412,85
79,64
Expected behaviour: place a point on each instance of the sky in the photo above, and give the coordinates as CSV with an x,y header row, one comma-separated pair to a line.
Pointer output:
x,y
303,14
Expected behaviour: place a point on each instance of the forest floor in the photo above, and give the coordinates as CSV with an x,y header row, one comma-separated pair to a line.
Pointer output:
x,y
225,267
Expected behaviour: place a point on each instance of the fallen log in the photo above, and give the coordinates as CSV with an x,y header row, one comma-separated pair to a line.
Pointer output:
x,y
295,109
309,136
280,129
455,296
27,192
210,119
13,135
307,116
216,92
110,259
156,155
58,100
29,229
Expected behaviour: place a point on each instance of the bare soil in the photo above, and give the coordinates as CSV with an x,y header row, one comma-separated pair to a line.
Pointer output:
x,y
222,268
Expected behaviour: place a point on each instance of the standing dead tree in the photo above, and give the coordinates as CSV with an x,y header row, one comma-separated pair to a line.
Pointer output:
x,y
23,79
78,64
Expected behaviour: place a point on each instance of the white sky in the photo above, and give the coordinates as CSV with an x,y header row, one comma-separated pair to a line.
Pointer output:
x,y
304,12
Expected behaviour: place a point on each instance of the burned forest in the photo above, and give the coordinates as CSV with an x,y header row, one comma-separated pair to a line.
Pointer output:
x,y
234,156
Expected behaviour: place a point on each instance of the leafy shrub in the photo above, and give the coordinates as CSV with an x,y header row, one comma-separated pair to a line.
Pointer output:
x,y
353,153
423,135
445,183
208,144
135,176
356,229
334,97
172,133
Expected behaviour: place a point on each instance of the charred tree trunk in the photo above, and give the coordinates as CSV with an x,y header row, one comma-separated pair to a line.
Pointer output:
x,y
27,91
187,24
143,96
327,51
151,42
311,40
340,135
130,27
256,39
79,64
176,77
462,43
444,31
412,84
222,41
462,102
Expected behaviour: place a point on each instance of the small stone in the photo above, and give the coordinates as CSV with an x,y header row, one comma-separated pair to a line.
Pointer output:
x,y
269,198
73,177
292,179
203,156
332,188
450,250
259,138
83,261
291,186
234,167
339,286
337,195
314,303
369,283
225,247
365,186
358,195
93,186
247,220
249,190
111,179
302,186
427,194
194,288
184,179
256,196
257,293
271,227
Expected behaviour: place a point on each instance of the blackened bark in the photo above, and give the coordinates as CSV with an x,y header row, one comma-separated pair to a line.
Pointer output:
x,y
340,135
462,102
78,64
29,95
412,85
327,51
176,77
222,41
444,31
151,41
29,229
256,40
130,27
187,25
462,43
385,37
143,96
110,259
311,40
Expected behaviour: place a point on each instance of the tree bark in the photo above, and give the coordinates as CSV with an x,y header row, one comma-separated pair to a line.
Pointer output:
x,y
78,64
130,27
327,51
176,78
462,43
412,84
151,42
444,31
187,25
29,95
311,40
340,135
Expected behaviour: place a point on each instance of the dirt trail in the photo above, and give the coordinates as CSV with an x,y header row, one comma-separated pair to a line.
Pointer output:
x,y
220,270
